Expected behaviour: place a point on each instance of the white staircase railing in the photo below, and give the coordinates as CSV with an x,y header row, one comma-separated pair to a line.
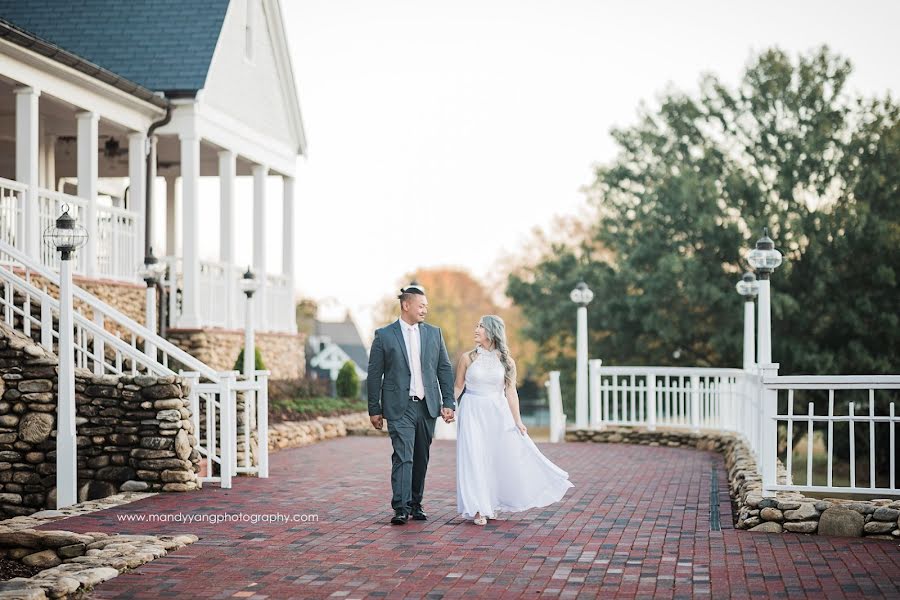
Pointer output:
x,y
27,306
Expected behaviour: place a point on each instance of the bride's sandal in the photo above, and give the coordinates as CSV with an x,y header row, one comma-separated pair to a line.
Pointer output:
x,y
480,520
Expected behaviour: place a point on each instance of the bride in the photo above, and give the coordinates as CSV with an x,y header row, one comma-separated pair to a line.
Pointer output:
x,y
498,467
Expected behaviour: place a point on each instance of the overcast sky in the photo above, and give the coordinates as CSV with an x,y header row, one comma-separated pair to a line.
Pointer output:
x,y
441,133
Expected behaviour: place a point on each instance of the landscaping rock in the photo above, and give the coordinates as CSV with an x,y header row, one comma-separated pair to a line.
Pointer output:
x,y
768,527
43,559
802,526
840,521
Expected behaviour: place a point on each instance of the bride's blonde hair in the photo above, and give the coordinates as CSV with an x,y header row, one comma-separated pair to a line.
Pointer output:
x,y
496,332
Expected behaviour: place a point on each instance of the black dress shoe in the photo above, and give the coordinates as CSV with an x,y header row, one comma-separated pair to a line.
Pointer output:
x,y
400,517
418,514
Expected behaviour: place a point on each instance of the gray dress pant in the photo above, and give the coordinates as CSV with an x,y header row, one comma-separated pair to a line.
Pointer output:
x,y
411,437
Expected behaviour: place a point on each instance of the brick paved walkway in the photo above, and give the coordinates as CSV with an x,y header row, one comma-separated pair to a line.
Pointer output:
x,y
637,524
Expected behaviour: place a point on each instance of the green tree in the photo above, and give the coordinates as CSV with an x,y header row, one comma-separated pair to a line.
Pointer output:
x,y
239,363
347,381
694,183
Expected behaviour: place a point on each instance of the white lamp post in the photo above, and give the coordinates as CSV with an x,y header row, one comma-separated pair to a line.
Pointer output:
x,y
764,259
748,287
66,237
582,296
249,285
150,272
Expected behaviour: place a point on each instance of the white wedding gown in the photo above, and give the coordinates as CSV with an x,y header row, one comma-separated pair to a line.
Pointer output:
x,y
497,467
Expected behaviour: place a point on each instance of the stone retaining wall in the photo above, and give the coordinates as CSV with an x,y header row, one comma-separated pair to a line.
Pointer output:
x,y
282,353
787,511
133,433
127,298
292,434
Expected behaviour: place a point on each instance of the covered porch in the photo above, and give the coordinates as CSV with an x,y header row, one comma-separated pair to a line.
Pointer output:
x,y
70,141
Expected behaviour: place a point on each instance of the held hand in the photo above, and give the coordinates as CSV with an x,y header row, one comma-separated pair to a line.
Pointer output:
x,y
522,429
447,414
377,421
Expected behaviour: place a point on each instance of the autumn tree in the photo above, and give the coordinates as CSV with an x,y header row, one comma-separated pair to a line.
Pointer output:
x,y
456,301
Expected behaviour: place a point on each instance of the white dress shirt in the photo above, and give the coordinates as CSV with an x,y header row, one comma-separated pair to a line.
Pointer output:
x,y
413,339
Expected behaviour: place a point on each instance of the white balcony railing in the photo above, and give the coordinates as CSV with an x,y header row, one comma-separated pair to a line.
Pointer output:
x,y
837,416
280,314
11,211
221,304
117,251
116,230
50,206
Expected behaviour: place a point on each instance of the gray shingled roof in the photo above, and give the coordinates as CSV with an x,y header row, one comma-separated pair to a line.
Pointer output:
x,y
163,45
346,335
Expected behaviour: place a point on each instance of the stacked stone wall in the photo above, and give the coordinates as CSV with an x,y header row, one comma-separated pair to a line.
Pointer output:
x,y
282,353
133,433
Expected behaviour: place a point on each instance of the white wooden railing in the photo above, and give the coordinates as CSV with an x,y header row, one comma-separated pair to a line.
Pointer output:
x,y
837,408
279,314
108,342
117,251
116,230
652,396
11,210
221,304
768,411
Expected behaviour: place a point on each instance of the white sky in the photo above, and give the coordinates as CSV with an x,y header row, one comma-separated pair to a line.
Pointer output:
x,y
440,133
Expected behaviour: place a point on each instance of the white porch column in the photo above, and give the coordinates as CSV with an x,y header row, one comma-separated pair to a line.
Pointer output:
x,y
190,232
227,170
28,238
287,241
47,176
87,183
171,217
152,192
260,173
137,182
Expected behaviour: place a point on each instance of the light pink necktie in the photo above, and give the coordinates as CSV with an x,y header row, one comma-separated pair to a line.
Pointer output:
x,y
415,360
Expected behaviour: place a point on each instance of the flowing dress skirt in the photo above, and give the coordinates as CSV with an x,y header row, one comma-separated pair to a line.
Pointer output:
x,y
497,467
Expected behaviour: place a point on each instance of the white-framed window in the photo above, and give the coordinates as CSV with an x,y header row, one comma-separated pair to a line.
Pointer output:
x,y
249,29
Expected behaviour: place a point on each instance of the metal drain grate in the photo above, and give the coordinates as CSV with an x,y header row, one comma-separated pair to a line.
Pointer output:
x,y
714,517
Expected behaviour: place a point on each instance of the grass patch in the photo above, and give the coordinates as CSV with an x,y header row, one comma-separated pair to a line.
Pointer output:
x,y
304,409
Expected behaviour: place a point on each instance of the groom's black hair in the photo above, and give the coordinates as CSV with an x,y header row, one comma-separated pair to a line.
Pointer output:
x,y
412,289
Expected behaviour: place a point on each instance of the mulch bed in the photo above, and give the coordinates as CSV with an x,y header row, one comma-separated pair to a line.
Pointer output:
x,y
13,568
278,414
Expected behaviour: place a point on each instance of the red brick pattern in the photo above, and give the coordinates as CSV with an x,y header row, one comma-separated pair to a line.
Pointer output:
x,y
635,526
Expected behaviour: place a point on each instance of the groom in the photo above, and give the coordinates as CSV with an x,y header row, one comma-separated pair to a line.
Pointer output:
x,y
418,378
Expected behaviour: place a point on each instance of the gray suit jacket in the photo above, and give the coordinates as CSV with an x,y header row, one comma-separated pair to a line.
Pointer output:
x,y
389,371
